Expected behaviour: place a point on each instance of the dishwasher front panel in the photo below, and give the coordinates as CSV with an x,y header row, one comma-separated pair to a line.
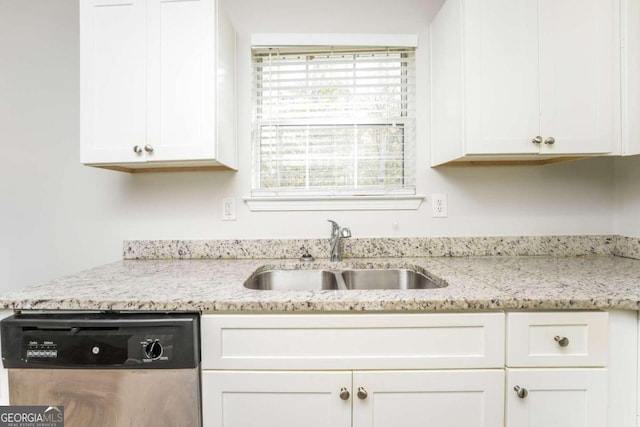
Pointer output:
x,y
112,398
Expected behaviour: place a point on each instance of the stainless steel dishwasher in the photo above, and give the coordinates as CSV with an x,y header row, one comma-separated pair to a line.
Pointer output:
x,y
106,369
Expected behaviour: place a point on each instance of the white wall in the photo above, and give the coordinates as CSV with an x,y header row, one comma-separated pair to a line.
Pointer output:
x,y
58,217
627,172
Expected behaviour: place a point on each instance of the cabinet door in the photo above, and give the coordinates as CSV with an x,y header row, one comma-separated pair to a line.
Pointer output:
x,y
429,398
181,79
501,69
112,80
577,65
631,78
275,399
557,398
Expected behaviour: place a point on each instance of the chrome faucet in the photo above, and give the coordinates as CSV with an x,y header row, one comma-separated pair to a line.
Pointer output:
x,y
337,234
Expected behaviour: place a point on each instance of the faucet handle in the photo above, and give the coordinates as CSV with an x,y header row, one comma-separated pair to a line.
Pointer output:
x,y
345,232
335,228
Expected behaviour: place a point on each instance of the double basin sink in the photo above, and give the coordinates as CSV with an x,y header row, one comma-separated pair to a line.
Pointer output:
x,y
346,279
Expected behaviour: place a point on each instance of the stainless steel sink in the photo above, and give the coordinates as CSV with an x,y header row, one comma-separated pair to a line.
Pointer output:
x,y
387,279
347,279
293,280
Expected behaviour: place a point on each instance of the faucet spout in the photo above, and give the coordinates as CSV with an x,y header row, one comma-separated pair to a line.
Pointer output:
x,y
337,234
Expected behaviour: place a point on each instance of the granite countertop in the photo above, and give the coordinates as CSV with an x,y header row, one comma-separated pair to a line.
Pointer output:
x,y
216,285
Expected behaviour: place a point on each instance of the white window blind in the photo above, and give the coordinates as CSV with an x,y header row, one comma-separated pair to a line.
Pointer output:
x,y
334,122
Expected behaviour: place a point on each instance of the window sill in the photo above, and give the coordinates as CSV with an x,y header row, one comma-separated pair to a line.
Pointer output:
x,y
341,203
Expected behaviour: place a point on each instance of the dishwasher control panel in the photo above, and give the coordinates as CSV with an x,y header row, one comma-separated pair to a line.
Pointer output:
x,y
45,349
68,341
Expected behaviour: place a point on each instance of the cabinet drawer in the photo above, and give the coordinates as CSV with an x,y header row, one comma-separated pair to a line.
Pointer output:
x,y
381,341
557,339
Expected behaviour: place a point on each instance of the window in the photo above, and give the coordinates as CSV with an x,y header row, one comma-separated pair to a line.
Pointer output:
x,y
334,121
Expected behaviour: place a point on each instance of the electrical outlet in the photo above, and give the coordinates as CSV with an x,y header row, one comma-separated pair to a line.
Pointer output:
x,y
439,205
229,209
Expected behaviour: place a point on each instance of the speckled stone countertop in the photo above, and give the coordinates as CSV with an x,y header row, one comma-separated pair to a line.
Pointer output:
x,y
473,283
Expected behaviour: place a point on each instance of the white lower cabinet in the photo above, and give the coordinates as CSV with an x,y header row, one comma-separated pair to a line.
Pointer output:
x,y
343,370
275,399
556,375
517,369
472,398
556,397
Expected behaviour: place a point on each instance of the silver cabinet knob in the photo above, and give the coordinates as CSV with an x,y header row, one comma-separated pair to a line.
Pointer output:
x,y
562,341
521,392
344,394
148,148
551,140
537,140
362,393
137,149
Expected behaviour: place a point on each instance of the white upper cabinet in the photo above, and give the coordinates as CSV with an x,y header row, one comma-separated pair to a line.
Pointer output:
x,y
631,77
524,80
502,76
113,80
157,84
